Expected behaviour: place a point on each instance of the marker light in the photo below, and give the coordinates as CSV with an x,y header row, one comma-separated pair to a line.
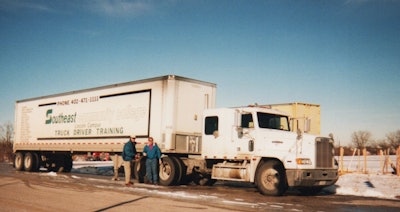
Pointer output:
x,y
303,161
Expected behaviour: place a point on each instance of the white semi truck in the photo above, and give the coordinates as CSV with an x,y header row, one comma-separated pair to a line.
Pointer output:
x,y
198,142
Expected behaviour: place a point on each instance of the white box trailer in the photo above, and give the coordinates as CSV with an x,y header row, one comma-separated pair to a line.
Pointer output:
x,y
199,143
167,108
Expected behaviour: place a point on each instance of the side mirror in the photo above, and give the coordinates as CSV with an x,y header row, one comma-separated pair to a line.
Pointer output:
x,y
239,132
307,125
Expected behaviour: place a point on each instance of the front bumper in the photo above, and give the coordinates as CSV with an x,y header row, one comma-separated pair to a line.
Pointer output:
x,y
311,177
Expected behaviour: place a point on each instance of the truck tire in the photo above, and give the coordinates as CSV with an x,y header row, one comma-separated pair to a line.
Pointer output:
x,y
168,172
271,178
31,162
19,161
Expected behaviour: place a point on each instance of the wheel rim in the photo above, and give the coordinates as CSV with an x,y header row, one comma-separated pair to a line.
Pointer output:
x,y
28,162
165,171
18,162
270,179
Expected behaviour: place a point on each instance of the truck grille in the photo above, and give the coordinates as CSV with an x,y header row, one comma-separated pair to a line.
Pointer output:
x,y
325,157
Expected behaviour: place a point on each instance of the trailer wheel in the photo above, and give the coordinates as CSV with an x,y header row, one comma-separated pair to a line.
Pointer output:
x,y
271,179
19,161
139,170
31,162
180,170
168,172
38,161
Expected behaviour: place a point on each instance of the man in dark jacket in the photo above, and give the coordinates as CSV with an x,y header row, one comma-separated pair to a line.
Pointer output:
x,y
128,154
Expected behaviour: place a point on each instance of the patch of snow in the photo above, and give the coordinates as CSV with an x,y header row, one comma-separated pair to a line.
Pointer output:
x,y
368,185
239,203
275,206
52,174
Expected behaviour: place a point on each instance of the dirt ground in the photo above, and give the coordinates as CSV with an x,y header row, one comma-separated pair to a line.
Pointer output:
x,y
35,192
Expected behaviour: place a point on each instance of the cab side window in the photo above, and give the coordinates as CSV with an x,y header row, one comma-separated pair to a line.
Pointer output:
x,y
247,121
211,125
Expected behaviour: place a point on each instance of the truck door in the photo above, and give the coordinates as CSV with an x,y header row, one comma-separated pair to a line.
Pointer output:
x,y
211,144
244,138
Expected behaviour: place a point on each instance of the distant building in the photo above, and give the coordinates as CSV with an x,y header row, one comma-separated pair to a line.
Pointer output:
x,y
303,116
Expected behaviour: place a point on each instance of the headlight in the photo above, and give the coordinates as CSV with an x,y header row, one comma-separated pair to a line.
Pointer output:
x,y
303,161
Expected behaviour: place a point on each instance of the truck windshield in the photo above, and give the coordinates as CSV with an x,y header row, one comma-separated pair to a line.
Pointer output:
x,y
273,121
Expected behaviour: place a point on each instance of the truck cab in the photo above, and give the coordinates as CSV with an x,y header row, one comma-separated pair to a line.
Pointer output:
x,y
231,133
255,144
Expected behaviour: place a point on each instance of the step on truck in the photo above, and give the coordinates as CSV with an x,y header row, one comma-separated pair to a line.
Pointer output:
x,y
199,143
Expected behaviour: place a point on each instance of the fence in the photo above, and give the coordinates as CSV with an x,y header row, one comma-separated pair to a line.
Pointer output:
x,y
361,162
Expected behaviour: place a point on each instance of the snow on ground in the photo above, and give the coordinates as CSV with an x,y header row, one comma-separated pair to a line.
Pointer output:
x,y
385,186
371,184
374,184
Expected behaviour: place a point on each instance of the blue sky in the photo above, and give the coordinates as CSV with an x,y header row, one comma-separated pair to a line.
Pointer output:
x,y
343,55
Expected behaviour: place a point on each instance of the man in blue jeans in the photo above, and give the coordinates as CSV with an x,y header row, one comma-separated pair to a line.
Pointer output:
x,y
153,154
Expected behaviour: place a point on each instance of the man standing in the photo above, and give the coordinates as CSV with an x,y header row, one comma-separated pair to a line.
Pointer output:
x,y
128,154
153,154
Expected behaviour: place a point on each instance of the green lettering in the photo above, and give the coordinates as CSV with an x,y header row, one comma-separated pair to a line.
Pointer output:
x,y
48,116
60,118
